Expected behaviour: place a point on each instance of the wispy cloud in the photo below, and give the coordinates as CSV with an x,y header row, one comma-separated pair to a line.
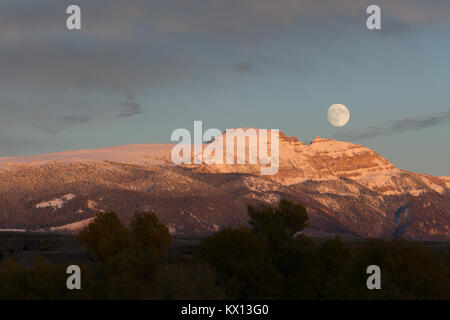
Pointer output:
x,y
129,107
53,125
396,126
76,119
243,66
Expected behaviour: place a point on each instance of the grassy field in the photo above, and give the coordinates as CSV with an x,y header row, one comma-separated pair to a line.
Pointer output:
x,y
60,248
55,248
23,247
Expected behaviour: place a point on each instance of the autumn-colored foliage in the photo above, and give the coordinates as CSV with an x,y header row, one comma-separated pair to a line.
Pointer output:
x,y
269,259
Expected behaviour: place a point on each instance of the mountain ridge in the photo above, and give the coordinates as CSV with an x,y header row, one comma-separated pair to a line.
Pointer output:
x,y
347,188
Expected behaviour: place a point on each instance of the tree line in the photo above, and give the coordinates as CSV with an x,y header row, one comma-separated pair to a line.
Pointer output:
x,y
268,259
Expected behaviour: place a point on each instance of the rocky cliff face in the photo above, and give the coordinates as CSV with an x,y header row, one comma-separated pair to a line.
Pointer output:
x,y
347,188
327,159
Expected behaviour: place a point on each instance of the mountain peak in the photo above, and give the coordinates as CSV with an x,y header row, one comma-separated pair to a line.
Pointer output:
x,y
292,139
318,139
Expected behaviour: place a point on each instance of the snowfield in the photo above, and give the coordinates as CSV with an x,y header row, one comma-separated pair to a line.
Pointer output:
x,y
56,203
135,153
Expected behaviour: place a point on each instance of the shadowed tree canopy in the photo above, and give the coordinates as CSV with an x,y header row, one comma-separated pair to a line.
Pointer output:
x,y
106,236
263,262
243,263
278,223
149,233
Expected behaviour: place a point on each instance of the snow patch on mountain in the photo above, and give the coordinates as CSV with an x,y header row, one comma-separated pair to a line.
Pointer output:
x,y
91,204
57,203
74,227
150,154
446,180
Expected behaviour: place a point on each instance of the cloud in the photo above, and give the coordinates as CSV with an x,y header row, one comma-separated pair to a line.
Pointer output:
x,y
185,15
129,108
146,45
398,126
136,44
243,66
118,19
53,125
76,119
76,63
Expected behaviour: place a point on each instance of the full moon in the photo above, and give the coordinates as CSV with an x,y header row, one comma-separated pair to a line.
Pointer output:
x,y
338,115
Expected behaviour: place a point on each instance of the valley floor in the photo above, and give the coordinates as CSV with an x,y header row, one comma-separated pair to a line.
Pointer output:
x,y
24,247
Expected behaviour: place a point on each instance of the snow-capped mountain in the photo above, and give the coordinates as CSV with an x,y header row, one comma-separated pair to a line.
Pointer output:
x,y
327,159
347,188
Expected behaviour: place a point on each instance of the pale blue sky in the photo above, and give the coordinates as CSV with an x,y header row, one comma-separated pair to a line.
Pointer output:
x,y
140,69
